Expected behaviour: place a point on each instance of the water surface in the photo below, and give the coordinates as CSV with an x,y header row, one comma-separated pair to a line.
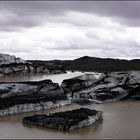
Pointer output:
x,y
56,78
120,120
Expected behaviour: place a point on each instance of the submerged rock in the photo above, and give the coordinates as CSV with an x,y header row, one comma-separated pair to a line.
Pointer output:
x,y
17,97
110,86
68,120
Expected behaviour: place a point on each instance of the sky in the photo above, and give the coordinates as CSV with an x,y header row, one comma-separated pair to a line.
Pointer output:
x,y
65,30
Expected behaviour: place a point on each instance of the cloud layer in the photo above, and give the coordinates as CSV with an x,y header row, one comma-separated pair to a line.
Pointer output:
x,y
70,29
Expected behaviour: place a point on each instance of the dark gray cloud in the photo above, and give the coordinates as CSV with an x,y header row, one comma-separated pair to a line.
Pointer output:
x,y
116,8
31,13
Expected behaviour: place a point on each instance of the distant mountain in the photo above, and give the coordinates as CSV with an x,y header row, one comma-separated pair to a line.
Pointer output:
x,y
87,63
104,64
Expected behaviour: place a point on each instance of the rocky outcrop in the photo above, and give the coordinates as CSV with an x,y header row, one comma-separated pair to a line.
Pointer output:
x,y
110,86
9,64
70,86
53,67
68,120
17,97
8,59
50,69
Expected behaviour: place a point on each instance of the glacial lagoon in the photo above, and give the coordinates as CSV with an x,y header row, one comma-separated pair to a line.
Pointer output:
x,y
56,78
120,119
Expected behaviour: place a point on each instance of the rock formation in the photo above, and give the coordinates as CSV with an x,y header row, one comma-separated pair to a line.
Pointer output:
x,y
9,64
110,86
8,59
18,97
68,120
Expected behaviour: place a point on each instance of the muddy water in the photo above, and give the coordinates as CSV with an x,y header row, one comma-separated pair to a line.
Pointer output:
x,y
56,78
120,120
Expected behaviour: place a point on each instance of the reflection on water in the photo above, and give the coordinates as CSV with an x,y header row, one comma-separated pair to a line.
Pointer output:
x,y
56,78
120,120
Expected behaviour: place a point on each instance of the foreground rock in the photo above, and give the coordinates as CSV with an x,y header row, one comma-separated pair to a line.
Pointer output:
x,y
109,87
18,97
9,64
68,120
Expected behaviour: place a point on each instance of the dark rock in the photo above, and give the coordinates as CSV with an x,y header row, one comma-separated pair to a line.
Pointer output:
x,y
51,67
77,83
110,86
16,97
9,64
65,120
82,101
88,63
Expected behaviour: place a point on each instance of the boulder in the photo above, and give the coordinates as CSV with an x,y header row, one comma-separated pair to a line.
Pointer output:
x,y
67,120
77,83
109,86
17,97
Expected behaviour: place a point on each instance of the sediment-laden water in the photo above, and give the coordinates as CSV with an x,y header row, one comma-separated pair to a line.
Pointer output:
x,y
120,119
56,78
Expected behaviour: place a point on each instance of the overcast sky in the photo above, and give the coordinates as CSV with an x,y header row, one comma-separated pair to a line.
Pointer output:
x,y
70,29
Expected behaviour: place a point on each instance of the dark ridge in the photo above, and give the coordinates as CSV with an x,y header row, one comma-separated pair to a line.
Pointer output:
x,y
87,63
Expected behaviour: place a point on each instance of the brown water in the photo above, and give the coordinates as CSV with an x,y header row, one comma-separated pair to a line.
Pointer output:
x,y
120,121
56,78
